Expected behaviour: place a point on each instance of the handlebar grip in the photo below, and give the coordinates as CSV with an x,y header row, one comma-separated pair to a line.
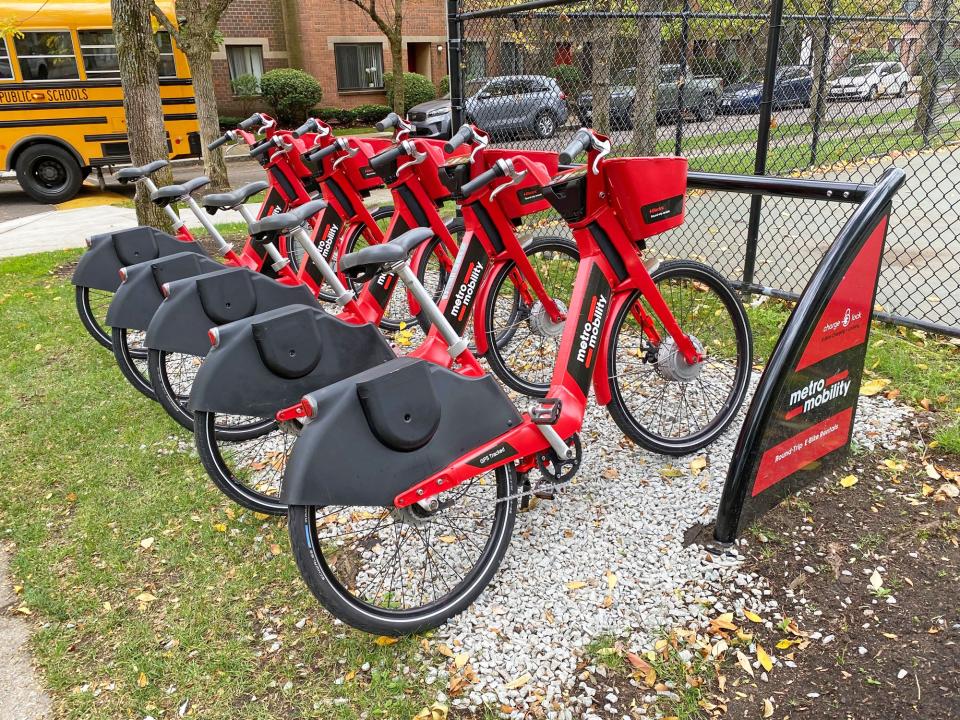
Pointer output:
x,y
390,121
320,154
253,121
222,140
382,160
464,134
309,126
261,147
481,180
580,142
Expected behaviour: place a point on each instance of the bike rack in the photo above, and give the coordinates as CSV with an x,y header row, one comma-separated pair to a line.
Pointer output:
x,y
800,420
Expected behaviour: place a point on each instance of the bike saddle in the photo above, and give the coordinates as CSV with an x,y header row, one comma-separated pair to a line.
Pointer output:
x,y
374,259
288,220
229,200
130,174
171,193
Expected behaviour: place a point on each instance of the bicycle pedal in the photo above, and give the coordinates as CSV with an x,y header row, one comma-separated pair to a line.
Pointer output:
x,y
546,494
546,411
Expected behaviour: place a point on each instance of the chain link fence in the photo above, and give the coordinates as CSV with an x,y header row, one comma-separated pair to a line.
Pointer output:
x,y
828,89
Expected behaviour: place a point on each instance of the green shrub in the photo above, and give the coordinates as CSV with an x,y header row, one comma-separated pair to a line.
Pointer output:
x,y
444,86
729,71
229,122
569,78
416,89
370,114
337,116
871,56
246,89
291,93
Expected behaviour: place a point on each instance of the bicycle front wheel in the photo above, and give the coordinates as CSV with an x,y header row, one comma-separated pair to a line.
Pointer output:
x,y
659,400
393,572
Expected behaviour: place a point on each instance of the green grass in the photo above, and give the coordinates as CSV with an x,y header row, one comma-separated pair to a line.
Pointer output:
x,y
364,130
89,469
949,437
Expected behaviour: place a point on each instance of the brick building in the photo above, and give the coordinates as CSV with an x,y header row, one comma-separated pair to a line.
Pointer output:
x,y
332,40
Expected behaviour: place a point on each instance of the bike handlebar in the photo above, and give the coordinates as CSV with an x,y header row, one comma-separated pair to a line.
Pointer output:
x,y
261,147
464,135
222,140
309,126
482,180
254,120
390,121
320,154
381,161
581,141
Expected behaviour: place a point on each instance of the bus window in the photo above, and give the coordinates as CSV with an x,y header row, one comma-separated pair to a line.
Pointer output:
x,y
46,55
166,67
6,69
99,53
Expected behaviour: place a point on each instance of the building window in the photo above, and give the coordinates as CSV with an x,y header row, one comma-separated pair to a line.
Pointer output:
x,y
6,69
511,62
359,67
245,60
474,60
46,56
99,53
166,66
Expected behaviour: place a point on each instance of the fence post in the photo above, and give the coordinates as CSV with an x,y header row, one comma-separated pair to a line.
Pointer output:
x,y
455,35
821,83
928,121
763,136
684,40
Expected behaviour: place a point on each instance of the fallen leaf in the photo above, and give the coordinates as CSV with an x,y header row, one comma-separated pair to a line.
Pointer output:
x,y
848,481
752,616
142,680
949,489
274,549
931,471
448,539
385,640
607,601
926,490
895,465
147,543
460,659
611,579
219,527
669,471
445,650
145,597
925,403
638,662
575,585
876,581
698,464
744,662
611,473
765,662
767,709
519,682
784,644
872,387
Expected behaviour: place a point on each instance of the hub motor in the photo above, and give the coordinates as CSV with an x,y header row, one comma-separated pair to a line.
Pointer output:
x,y
540,322
671,364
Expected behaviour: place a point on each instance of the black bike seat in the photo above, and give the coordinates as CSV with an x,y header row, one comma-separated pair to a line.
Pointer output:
x,y
172,193
224,201
288,220
371,259
129,174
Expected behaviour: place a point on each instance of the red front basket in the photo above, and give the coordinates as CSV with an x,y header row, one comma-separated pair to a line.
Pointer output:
x,y
524,198
648,193
357,168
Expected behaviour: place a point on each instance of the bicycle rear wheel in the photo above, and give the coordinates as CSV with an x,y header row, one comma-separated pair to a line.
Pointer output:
x,y
394,572
92,306
131,356
523,341
658,400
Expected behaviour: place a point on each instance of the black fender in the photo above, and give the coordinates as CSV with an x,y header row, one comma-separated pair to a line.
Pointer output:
x,y
99,266
140,294
267,362
194,305
357,451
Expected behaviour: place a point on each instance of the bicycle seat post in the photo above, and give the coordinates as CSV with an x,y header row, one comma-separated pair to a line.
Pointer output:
x,y
301,236
169,211
455,344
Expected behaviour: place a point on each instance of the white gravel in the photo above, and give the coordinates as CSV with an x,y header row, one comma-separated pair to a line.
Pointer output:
x,y
619,528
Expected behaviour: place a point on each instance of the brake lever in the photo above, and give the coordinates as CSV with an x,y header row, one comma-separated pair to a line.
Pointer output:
x,y
403,130
409,148
515,177
351,152
321,133
482,142
604,148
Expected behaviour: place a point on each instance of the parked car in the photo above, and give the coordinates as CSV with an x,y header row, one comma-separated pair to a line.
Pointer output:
x,y
525,103
700,95
868,81
792,87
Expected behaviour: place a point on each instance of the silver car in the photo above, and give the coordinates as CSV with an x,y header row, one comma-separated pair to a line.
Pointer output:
x,y
518,103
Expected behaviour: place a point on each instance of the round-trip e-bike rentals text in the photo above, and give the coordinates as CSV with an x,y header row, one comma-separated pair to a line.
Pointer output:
x,y
402,488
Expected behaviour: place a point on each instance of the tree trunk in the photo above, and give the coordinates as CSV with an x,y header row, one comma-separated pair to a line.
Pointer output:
x,y
645,103
201,68
821,68
925,122
396,60
137,54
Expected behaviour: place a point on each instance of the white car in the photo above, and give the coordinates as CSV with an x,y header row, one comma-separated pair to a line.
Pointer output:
x,y
868,81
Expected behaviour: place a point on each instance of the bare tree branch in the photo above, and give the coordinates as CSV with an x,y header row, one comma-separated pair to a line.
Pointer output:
x,y
165,22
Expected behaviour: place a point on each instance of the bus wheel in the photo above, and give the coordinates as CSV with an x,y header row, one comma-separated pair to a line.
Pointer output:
x,y
48,173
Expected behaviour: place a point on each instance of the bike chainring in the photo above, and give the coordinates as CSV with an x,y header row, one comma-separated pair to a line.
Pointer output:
x,y
557,470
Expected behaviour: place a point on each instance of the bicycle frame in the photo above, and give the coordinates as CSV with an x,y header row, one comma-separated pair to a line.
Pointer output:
x,y
611,269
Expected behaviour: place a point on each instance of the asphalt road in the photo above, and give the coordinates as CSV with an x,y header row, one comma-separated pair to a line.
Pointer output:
x,y
14,203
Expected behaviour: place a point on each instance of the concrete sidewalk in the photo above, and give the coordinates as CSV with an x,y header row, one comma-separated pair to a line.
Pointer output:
x,y
62,229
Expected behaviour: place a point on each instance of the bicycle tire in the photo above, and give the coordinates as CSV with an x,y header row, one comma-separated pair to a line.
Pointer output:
x,y
88,314
127,359
339,601
618,406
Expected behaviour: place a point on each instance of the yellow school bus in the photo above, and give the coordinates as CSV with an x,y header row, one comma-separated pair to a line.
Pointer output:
x,y
61,104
